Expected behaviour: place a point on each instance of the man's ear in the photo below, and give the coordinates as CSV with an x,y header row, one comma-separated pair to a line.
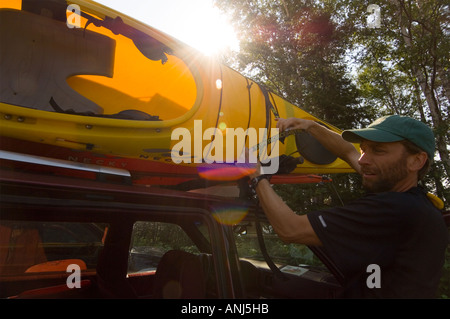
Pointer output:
x,y
417,161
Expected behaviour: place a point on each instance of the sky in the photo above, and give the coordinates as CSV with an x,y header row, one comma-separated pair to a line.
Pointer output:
x,y
196,22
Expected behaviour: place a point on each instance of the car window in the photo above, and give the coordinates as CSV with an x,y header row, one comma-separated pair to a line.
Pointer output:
x,y
30,247
151,240
293,258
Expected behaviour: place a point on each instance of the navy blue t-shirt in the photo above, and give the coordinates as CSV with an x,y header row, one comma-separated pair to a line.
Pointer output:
x,y
401,232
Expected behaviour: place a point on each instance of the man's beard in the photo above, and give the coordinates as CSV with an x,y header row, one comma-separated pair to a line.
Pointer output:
x,y
388,178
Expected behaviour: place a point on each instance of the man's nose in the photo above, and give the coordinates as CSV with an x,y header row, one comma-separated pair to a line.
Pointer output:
x,y
363,159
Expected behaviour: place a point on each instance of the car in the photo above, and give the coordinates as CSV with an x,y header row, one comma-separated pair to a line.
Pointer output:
x,y
67,237
108,212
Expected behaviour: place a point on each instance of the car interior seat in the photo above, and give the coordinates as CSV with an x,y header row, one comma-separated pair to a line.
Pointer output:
x,y
180,275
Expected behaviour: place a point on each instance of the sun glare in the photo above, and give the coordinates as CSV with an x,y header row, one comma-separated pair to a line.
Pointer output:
x,y
197,23
208,30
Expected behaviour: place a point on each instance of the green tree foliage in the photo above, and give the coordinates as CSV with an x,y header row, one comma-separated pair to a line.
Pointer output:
x,y
403,68
326,57
296,50
329,58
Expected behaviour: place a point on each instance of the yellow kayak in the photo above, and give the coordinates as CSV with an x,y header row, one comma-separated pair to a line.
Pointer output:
x,y
105,83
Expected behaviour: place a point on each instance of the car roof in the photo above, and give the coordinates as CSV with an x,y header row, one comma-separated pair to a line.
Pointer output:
x,y
21,183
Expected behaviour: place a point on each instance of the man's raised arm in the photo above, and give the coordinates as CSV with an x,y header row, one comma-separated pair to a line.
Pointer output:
x,y
331,140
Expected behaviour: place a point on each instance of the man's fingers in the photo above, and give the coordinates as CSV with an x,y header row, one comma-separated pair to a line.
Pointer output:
x,y
281,124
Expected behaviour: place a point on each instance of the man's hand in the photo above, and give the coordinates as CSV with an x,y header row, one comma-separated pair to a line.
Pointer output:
x,y
332,141
293,123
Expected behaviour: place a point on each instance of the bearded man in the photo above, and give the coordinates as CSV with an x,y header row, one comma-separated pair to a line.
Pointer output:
x,y
395,226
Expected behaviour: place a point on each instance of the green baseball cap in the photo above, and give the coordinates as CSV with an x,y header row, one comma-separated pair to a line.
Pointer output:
x,y
394,128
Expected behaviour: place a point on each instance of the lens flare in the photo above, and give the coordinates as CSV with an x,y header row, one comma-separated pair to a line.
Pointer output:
x,y
222,126
230,215
225,171
219,84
